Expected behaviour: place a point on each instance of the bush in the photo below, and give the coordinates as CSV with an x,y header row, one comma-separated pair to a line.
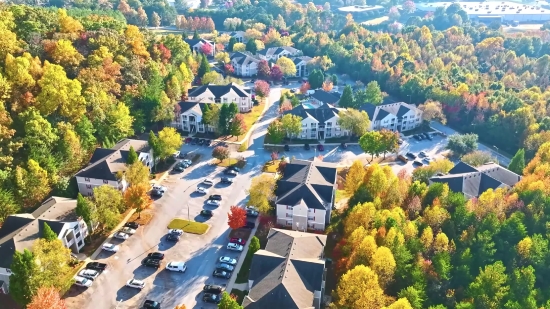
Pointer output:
x,y
243,147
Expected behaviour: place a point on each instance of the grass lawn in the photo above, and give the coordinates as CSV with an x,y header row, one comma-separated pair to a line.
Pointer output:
x,y
188,226
239,294
228,162
242,276
251,117
340,194
271,166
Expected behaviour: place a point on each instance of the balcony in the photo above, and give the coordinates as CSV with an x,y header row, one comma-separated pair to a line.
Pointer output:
x,y
69,242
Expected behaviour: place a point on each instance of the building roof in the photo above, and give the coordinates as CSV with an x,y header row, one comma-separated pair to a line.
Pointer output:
x,y
269,52
236,33
193,42
288,272
360,8
105,163
488,8
321,114
20,231
473,181
326,97
243,58
379,112
298,60
308,182
219,90
186,106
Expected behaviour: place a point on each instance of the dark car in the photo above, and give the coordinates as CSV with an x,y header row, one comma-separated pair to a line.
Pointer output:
x,y
221,274
173,237
195,141
418,163
230,172
249,225
156,255
206,142
188,140
151,304
420,137
211,288
226,267
207,213
227,180
399,142
215,197
201,142
211,298
96,266
234,168
251,213
411,155
182,155
344,145
178,168
151,262
307,147
156,193
132,225
320,147
428,136
287,148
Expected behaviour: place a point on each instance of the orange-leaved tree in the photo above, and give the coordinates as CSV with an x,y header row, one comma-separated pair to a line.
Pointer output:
x,y
137,197
180,307
236,217
47,297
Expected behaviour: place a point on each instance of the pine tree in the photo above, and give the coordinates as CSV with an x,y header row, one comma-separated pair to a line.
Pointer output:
x,y
47,233
517,164
241,27
83,209
231,43
204,67
184,35
196,36
347,98
251,46
132,156
23,284
223,121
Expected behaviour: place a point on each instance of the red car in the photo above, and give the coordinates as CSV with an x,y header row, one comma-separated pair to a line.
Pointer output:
x,y
320,147
239,241
188,140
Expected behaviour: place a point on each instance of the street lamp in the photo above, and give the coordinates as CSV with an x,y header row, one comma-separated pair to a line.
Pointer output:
x,y
498,154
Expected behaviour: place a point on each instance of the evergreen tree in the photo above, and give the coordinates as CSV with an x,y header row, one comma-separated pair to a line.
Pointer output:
x,y
184,35
347,98
196,36
241,27
204,67
231,43
316,79
223,124
23,284
517,164
251,46
83,209
132,156
47,233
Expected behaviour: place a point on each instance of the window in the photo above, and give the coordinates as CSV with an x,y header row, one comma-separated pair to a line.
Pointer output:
x,y
289,222
78,235
184,117
211,99
329,124
313,125
80,243
88,186
311,218
224,100
304,125
289,215
105,181
87,179
90,193
217,101
311,210
289,207
405,117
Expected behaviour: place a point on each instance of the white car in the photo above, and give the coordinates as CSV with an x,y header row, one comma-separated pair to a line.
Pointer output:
x,y
88,273
128,230
160,188
177,266
201,190
186,161
121,235
253,208
176,154
136,284
208,181
176,231
228,260
234,247
81,281
110,247
213,202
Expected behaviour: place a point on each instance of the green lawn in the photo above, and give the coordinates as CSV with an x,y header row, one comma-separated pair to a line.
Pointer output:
x,y
242,276
228,162
271,166
239,294
340,194
188,226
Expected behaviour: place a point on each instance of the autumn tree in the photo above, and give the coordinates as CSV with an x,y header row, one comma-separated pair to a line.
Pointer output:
x,y
53,258
47,297
31,184
287,66
136,197
359,288
236,217
432,110
291,125
155,20
23,282
478,158
354,177
383,264
261,88
276,73
357,122
238,126
221,153
327,86
169,141
228,301
276,132
262,192
109,203
517,163
264,71
137,174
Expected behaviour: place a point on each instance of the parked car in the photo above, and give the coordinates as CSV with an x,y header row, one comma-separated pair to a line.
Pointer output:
x,y
151,262
176,232
182,155
428,136
226,267
307,147
121,235
239,241
132,225
416,137
320,147
221,274
422,154
160,188
399,142
177,266
428,160
227,260
207,142
178,168
420,137
251,213
418,163
411,155
249,225
188,140
201,190
173,237
88,274
96,266
83,282
207,213
110,247
211,298
156,255
195,141
227,180
344,145
208,181
287,148
233,167
151,304
213,202
201,142
136,284
187,161
216,197
230,172
128,230
402,158
251,208
212,288
176,154
157,193
234,247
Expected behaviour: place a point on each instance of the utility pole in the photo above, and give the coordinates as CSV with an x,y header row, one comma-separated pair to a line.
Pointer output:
x,y
188,217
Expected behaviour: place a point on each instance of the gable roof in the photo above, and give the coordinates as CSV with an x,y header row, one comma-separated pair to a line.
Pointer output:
x,y
219,90
20,231
193,42
299,59
243,58
187,106
321,114
105,163
325,97
269,52
379,112
288,272
473,181
309,182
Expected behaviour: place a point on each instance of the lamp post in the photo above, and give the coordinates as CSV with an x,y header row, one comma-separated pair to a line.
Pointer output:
x,y
498,154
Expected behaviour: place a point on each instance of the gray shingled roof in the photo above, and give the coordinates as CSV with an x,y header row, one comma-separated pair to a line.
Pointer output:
x,y
321,114
325,97
288,272
219,90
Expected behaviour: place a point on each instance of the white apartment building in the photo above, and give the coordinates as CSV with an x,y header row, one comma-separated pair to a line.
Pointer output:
x,y
244,64
319,123
397,116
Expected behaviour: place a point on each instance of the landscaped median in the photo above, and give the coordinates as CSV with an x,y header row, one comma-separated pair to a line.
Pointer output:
x,y
189,226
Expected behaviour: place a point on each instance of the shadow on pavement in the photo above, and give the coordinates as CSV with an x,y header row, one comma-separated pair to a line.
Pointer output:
x,y
143,272
164,244
125,293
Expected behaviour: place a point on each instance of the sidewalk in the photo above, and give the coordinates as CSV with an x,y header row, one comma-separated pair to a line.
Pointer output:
x,y
241,286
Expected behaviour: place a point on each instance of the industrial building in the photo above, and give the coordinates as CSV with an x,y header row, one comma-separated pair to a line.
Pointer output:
x,y
507,11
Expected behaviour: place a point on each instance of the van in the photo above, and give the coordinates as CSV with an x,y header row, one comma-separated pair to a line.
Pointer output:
x,y
402,158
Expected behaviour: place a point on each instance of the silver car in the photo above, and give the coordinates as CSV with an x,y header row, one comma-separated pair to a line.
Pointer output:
x,y
88,273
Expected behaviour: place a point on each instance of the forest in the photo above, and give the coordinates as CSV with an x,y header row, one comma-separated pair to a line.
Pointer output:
x,y
72,80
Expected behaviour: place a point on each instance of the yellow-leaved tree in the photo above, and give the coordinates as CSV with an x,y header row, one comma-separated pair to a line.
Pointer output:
x,y
359,289
354,177
383,263
262,191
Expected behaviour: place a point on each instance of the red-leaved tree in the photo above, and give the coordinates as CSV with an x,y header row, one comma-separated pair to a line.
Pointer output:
x,y
305,87
276,73
48,297
264,72
206,49
236,217
228,68
286,106
262,88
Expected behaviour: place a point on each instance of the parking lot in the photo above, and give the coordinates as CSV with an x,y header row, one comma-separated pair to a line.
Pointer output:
x,y
200,252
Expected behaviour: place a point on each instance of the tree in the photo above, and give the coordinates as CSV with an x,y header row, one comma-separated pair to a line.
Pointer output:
x,y
327,85
84,210
228,302
415,297
262,192
142,17
276,73
275,132
264,72
155,145
286,106
478,158
517,164
239,47
207,49
489,289
232,42
432,110
53,259
305,87
109,204
373,93
137,174
357,122
155,20
169,141
221,153
238,126
136,197
261,88
196,35
389,141
371,142
287,66
47,297
204,67
182,306
316,79
47,233
31,183
252,46
358,288
346,100
291,125
132,156
461,144
354,177
8,206
222,58
210,78
23,282
254,245
236,217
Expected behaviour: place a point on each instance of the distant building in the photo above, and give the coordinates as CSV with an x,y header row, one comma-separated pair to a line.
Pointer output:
x,y
20,231
318,122
473,181
196,45
362,11
398,116
245,64
274,53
